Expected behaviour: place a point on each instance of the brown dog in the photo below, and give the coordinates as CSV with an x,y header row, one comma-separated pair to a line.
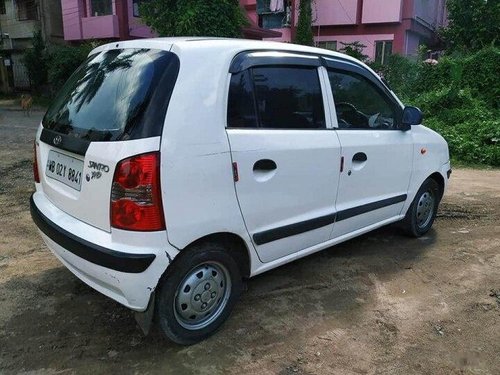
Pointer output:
x,y
26,103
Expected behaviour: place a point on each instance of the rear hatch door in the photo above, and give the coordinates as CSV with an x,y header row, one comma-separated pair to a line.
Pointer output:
x,y
111,108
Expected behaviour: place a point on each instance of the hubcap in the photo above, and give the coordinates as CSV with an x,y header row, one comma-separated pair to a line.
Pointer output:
x,y
425,209
202,295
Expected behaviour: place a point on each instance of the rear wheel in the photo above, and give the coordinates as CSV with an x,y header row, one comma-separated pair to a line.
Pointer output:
x,y
198,293
423,210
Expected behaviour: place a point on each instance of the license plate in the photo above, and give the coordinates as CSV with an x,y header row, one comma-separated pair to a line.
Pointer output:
x,y
65,169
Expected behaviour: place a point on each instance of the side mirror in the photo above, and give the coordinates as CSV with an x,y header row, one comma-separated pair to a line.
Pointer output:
x,y
411,116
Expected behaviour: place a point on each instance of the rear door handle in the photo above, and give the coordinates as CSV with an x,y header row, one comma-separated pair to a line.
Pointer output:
x,y
359,157
264,165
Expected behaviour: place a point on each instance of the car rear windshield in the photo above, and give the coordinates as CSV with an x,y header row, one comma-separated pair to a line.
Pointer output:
x,y
116,94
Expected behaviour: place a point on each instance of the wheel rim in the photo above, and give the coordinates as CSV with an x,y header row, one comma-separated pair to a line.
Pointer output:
x,y
202,295
425,209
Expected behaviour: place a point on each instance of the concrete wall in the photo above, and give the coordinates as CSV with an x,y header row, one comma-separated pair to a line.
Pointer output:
x,y
16,29
430,13
78,27
51,14
381,11
412,43
338,12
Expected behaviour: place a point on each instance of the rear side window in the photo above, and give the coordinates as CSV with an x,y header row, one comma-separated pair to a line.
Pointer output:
x,y
276,97
241,104
115,95
288,98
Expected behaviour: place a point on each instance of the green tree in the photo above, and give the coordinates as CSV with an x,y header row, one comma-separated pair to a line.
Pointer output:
x,y
35,60
64,60
304,34
354,49
218,18
473,24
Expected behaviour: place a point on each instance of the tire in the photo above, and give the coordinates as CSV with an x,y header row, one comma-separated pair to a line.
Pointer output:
x,y
198,293
423,209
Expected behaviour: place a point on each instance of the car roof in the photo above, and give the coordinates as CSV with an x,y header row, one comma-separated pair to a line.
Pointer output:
x,y
219,46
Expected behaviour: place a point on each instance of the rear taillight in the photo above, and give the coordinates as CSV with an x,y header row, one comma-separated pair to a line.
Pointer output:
x,y
136,194
36,176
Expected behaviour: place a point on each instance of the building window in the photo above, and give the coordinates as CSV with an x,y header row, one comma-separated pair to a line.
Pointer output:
x,y
101,7
27,10
2,6
331,45
135,7
383,49
273,14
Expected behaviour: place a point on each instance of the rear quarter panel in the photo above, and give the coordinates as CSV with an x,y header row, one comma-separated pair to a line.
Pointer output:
x,y
197,181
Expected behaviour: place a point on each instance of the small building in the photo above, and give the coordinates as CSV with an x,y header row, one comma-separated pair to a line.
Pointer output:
x,y
19,19
120,19
383,26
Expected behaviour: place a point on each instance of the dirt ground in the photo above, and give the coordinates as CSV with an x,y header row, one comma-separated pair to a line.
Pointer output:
x,y
381,303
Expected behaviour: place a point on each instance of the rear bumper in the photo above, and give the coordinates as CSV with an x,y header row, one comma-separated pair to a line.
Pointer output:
x,y
115,260
128,277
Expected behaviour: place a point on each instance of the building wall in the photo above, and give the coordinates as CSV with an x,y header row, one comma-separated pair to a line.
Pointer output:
x,y
407,23
382,11
10,24
340,12
51,19
17,36
431,13
80,24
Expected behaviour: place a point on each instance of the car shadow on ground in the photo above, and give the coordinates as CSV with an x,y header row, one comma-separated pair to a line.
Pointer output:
x,y
77,323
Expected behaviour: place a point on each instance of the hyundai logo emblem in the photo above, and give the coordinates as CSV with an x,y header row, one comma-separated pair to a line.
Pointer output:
x,y
57,140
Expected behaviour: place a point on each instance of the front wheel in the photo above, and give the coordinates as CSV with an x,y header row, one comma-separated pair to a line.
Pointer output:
x,y
198,293
423,210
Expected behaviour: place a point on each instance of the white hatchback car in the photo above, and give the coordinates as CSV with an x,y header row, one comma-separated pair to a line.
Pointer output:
x,y
168,170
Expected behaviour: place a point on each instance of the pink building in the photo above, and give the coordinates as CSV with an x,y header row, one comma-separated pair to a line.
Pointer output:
x,y
383,26
119,19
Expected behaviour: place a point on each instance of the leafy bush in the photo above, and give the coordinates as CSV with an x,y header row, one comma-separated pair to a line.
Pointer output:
x,y
459,97
354,49
304,34
481,74
221,18
470,126
64,60
36,62
401,74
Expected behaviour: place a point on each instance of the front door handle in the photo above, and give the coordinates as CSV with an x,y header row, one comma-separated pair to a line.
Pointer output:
x,y
359,157
264,165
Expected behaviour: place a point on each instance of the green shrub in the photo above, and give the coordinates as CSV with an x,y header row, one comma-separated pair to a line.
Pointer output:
x,y
481,74
64,60
36,62
401,74
470,126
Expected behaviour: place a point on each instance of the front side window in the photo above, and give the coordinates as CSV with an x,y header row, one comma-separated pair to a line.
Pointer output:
x,y
288,97
359,104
